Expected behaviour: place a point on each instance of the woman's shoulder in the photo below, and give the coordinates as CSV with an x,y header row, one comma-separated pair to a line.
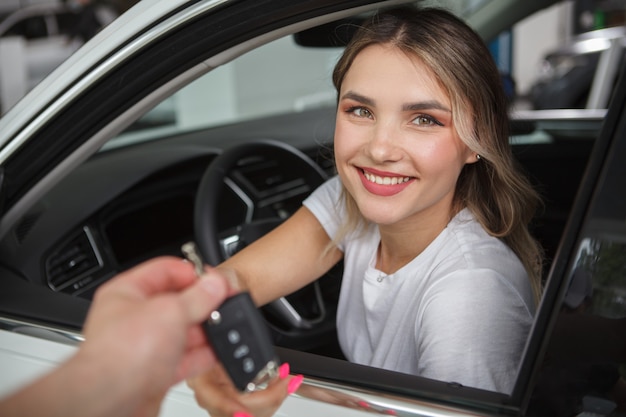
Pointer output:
x,y
330,190
473,257
326,205
470,238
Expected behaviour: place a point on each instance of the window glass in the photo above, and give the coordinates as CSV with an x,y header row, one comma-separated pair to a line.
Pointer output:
x,y
584,367
279,77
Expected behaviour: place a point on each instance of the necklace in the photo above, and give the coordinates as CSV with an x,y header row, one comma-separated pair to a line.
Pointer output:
x,y
379,262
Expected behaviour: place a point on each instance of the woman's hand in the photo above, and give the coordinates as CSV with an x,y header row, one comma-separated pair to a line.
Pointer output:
x,y
215,392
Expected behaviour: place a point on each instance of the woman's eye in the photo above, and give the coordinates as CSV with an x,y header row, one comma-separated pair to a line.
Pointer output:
x,y
360,112
424,120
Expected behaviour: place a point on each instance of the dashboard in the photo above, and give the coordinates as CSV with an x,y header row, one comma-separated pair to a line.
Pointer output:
x,y
135,202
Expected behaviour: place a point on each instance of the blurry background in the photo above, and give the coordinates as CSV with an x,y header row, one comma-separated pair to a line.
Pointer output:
x,y
570,54
37,35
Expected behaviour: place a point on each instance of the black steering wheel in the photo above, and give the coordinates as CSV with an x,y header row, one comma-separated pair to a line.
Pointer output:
x,y
293,319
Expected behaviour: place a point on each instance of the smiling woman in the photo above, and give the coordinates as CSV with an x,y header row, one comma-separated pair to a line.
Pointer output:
x,y
398,74
459,268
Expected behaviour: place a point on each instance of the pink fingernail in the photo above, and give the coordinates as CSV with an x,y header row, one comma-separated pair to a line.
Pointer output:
x,y
283,371
241,414
295,383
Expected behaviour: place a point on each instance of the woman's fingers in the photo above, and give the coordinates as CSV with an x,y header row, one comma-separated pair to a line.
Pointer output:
x,y
215,392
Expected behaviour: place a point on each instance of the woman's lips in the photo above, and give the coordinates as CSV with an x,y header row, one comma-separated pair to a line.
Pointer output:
x,y
383,184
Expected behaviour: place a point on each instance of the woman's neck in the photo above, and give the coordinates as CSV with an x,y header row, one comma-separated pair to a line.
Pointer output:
x,y
400,243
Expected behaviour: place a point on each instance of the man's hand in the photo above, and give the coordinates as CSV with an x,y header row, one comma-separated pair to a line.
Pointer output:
x,y
142,335
143,328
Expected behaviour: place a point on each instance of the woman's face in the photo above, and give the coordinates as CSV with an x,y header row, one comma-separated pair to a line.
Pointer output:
x,y
396,150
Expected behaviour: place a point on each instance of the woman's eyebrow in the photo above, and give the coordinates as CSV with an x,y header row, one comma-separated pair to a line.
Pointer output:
x,y
351,95
426,105
421,105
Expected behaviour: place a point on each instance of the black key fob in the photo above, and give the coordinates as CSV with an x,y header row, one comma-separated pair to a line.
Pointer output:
x,y
239,336
242,342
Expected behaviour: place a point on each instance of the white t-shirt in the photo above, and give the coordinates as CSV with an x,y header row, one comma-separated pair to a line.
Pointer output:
x,y
458,312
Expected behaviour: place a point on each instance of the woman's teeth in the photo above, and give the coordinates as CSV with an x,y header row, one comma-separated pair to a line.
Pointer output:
x,y
385,180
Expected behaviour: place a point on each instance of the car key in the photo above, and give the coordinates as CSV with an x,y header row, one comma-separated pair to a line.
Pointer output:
x,y
239,336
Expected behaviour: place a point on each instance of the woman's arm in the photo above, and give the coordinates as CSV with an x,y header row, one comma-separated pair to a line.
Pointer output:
x,y
286,259
283,261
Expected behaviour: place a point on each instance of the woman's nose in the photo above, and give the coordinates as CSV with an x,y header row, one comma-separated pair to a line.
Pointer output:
x,y
383,144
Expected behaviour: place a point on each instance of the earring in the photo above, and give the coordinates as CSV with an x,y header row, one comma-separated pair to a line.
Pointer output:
x,y
478,157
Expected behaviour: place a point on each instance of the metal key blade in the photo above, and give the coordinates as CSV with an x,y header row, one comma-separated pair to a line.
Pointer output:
x,y
190,251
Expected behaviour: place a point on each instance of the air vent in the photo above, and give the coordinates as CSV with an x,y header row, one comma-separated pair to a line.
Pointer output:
x,y
77,258
264,174
268,177
324,157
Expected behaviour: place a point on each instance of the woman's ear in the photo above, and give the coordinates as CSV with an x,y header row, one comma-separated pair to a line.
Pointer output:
x,y
472,158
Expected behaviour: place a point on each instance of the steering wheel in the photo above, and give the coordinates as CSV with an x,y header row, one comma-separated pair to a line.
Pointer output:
x,y
295,322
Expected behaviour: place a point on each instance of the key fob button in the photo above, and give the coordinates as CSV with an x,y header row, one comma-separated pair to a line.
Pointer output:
x,y
234,337
241,351
248,365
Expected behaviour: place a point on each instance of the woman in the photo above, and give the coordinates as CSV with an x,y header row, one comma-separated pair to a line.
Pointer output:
x,y
428,212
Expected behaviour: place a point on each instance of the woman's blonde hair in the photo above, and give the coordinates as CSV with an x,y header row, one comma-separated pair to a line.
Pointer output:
x,y
494,188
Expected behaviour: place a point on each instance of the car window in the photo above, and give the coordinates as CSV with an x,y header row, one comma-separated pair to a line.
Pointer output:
x,y
279,77
283,77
